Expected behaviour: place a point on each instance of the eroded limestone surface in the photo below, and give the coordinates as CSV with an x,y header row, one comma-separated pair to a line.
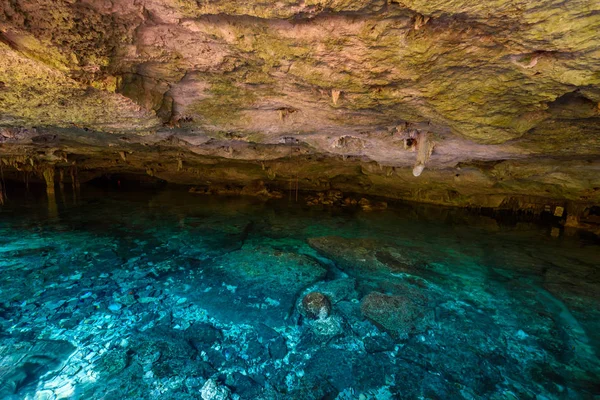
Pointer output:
x,y
489,104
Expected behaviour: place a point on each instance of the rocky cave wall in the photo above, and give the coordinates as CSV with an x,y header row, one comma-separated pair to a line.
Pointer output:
x,y
453,102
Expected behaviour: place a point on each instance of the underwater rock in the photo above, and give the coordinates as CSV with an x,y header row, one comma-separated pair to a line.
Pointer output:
x,y
335,290
278,349
379,343
212,390
397,315
22,364
201,335
374,259
316,305
256,352
263,282
167,354
327,327
244,386
329,372
266,333
113,362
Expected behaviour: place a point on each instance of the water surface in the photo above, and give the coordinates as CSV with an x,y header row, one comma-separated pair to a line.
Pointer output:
x,y
170,295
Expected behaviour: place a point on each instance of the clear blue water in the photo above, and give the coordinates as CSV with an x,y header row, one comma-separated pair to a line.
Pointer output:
x,y
170,295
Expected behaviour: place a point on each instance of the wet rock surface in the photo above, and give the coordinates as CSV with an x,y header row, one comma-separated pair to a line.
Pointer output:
x,y
179,297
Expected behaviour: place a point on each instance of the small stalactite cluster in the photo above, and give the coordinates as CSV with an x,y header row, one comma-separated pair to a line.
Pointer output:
x,y
285,112
22,163
420,21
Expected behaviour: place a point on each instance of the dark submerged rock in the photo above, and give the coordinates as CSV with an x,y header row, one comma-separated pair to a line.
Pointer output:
x,y
398,315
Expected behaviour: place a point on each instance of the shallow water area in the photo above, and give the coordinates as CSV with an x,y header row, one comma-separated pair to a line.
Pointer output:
x,y
166,294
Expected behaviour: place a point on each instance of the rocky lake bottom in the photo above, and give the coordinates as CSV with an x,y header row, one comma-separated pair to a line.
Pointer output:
x,y
171,295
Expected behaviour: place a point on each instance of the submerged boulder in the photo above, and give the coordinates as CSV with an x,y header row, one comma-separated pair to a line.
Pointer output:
x,y
256,285
397,315
373,258
23,364
316,305
212,390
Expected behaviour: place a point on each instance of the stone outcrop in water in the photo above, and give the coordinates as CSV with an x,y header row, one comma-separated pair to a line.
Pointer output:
x,y
398,315
322,95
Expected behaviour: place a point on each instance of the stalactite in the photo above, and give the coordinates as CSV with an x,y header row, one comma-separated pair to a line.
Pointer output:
x,y
420,21
424,149
61,182
77,185
335,96
48,174
61,179
74,183
179,165
73,179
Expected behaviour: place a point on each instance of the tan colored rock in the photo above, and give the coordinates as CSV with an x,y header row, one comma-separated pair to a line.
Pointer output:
x,y
507,90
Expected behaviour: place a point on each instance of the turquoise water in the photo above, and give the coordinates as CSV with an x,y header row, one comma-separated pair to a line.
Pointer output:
x,y
170,295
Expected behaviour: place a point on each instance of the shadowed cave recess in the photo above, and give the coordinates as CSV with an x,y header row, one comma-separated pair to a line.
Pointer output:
x,y
324,199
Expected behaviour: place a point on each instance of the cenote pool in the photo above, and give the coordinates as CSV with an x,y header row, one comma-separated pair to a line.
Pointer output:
x,y
171,295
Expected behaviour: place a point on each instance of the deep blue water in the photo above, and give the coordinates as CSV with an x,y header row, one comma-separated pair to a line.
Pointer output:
x,y
171,295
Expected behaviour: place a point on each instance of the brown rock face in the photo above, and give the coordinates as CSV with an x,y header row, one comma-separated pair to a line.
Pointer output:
x,y
316,305
451,102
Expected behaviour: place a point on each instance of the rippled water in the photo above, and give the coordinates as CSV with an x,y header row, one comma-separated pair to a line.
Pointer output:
x,y
170,295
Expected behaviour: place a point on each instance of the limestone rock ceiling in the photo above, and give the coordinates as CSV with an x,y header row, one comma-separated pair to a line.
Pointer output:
x,y
486,80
